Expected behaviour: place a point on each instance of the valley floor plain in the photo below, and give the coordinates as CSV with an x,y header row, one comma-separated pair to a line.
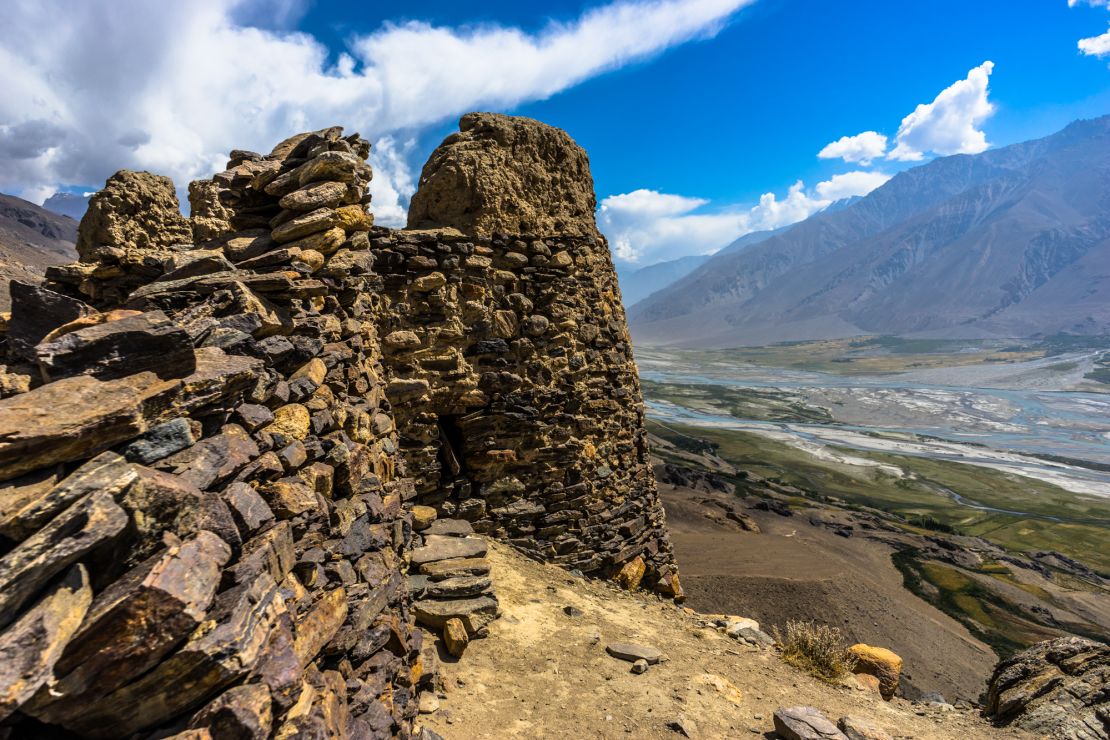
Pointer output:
x,y
1007,442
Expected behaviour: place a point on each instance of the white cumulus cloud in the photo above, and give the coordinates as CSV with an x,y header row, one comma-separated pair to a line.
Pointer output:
x,y
173,86
850,184
950,124
1095,46
862,148
646,226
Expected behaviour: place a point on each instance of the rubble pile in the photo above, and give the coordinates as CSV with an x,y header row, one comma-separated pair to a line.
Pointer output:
x,y
201,517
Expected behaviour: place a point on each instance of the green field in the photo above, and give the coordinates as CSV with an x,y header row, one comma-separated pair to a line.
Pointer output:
x,y
743,403
868,355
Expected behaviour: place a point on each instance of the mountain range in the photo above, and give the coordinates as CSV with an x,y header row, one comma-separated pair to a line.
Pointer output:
x,y
31,239
1013,242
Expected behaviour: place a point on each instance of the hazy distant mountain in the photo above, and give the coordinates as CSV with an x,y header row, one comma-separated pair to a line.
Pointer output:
x,y
67,204
1011,242
639,284
31,239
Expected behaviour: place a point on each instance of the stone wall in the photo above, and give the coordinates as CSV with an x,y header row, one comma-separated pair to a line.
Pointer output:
x,y
514,387
519,406
211,444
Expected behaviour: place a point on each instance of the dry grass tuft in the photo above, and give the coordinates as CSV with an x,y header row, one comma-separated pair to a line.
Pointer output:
x,y
815,648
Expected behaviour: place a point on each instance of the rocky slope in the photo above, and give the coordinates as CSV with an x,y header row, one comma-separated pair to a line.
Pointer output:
x,y
1008,243
637,285
31,239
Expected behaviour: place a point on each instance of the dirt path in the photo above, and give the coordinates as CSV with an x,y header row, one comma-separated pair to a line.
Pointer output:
x,y
542,673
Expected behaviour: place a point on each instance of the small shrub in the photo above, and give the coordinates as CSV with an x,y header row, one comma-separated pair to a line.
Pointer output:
x,y
815,648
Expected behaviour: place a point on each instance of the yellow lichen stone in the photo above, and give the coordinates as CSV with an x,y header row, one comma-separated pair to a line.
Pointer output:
x,y
429,282
291,420
631,573
354,218
310,258
325,242
455,638
881,663
422,517
315,370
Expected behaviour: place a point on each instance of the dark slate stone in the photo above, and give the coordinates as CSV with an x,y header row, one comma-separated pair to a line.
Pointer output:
x,y
253,416
149,341
248,508
36,312
161,441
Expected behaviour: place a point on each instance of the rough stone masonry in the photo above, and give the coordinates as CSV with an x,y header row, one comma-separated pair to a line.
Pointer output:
x,y
213,433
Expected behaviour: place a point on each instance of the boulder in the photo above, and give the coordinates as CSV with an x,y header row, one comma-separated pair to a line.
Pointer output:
x,y
36,435
437,547
36,312
438,570
22,515
506,174
422,517
30,647
134,210
450,528
93,522
881,663
458,587
240,713
474,613
235,637
455,638
631,573
133,623
1059,688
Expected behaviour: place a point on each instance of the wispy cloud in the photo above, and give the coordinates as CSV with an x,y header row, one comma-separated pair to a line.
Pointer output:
x,y
173,86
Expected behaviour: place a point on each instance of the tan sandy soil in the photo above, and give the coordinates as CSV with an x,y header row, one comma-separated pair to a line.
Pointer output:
x,y
795,570
544,674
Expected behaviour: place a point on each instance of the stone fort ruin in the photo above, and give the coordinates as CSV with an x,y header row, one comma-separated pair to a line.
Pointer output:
x,y
218,436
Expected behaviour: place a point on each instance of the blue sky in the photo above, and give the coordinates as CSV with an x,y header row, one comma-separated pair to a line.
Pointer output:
x,y
691,110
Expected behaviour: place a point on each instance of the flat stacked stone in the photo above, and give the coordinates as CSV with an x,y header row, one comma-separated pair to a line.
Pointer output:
x,y
450,582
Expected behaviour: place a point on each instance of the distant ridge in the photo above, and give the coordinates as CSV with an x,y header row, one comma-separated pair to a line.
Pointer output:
x,y
31,239
1012,242
67,204
639,284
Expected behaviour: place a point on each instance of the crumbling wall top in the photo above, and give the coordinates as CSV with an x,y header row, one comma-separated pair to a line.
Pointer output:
x,y
136,210
506,174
